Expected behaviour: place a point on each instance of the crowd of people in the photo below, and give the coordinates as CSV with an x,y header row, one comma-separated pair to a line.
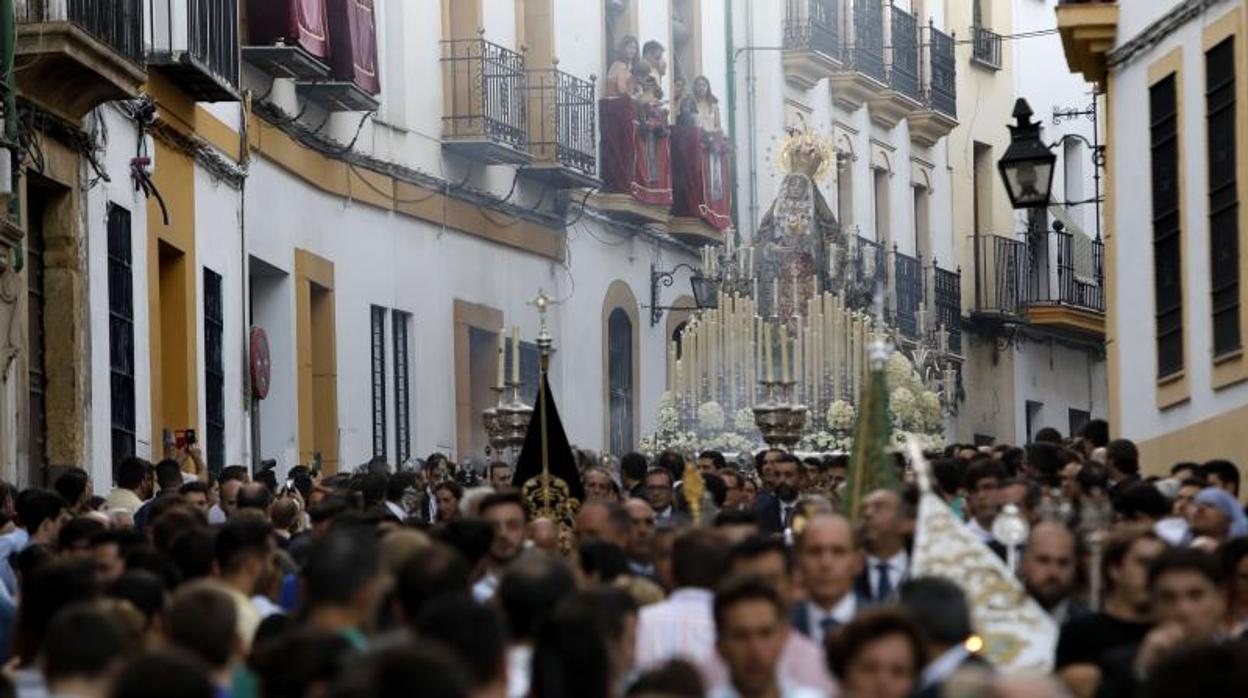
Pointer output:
x,y
434,582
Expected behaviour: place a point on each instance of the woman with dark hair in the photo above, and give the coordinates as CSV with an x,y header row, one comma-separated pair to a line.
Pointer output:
x,y
448,495
877,655
620,81
571,657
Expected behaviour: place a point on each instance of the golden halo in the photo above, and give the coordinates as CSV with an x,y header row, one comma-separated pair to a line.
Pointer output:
x,y
806,152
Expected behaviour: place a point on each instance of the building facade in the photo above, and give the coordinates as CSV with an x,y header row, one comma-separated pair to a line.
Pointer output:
x,y
1173,78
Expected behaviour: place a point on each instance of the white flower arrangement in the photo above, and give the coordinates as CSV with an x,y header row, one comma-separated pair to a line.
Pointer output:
x,y
931,411
824,442
903,407
841,416
743,421
711,417
926,442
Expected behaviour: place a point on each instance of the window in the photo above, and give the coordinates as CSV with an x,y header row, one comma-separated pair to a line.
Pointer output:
x,y
38,422
1073,158
1167,250
922,230
1078,420
120,333
379,381
214,370
845,190
881,206
1223,196
620,361
402,389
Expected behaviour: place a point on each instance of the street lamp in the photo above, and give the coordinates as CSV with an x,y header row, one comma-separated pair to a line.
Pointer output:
x,y
705,290
1028,164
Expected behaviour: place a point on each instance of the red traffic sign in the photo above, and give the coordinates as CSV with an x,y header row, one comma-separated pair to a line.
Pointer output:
x,y
261,363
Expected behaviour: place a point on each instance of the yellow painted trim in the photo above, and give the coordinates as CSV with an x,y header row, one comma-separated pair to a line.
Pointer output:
x,y
467,315
1233,369
1088,32
1220,436
1076,319
620,295
1176,388
173,298
337,178
182,113
316,359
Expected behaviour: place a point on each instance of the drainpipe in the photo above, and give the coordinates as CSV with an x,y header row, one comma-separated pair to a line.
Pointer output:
x,y
8,34
732,115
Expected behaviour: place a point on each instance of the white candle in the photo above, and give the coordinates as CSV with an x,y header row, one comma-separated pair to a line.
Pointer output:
x,y
502,352
515,354
785,376
767,353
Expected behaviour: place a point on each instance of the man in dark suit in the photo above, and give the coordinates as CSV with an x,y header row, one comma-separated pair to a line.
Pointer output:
x,y
828,559
887,525
776,511
938,606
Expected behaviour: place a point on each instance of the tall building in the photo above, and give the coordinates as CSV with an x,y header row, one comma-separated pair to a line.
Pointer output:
x,y
1172,74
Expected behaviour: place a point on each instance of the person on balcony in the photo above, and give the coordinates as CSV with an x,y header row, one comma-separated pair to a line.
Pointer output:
x,y
706,106
655,64
620,80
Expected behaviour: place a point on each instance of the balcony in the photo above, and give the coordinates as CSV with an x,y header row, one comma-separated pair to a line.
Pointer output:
x,y
1048,280
563,134
864,73
195,43
485,88
353,83
636,161
938,116
701,186
986,48
945,301
72,55
902,96
907,295
288,38
1089,31
812,41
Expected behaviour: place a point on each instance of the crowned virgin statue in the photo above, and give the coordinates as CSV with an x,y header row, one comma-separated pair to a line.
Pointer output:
x,y
801,248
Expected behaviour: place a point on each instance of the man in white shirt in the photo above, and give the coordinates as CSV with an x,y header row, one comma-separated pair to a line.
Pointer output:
x,y
682,627
887,523
983,482
751,633
828,560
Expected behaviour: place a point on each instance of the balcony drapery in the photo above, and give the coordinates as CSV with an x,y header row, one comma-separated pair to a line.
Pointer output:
x,y
304,23
353,43
636,151
700,176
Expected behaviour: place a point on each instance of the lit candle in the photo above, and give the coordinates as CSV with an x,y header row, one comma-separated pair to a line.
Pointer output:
x,y
502,353
775,297
515,354
785,376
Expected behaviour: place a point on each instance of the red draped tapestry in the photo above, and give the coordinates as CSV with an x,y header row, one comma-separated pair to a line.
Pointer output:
x,y
700,174
636,151
297,22
353,32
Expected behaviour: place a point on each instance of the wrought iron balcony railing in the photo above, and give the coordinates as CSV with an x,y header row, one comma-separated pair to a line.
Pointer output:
x,y
486,91
870,264
564,122
946,302
942,83
199,38
907,292
117,23
1014,275
986,47
814,25
903,67
867,54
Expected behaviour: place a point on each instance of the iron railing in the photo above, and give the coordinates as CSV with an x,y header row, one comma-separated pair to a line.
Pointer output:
x,y
867,54
211,38
1080,271
986,47
565,120
903,68
1017,274
117,23
946,300
487,88
942,84
870,262
814,25
907,292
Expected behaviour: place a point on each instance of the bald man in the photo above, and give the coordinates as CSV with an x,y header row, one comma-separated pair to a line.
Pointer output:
x,y
1048,570
640,547
828,561
605,521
